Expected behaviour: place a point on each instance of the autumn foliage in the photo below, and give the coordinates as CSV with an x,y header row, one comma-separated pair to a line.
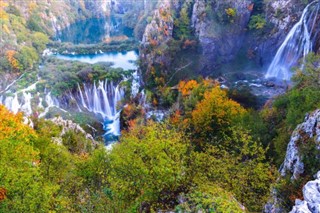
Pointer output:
x,y
3,14
215,113
12,60
11,127
186,87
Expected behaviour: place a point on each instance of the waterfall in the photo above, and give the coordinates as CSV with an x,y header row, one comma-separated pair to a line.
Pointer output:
x,y
24,105
298,43
135,84
103,98
107,28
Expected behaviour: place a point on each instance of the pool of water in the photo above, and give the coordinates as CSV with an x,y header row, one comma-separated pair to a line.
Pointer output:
x,y
93,31
124,60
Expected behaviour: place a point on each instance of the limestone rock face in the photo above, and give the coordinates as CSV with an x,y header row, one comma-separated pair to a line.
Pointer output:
x,y
221,35
160,28
311,195
68,125
310,128
157,34
293,165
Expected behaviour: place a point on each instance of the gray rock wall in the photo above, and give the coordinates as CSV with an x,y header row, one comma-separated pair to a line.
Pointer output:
x,y
220,37
294,166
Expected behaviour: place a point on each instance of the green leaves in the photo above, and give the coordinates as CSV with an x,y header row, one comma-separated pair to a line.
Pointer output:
x,y
148,164
257,22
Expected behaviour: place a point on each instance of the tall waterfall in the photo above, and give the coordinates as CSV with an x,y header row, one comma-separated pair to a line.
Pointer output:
x,y
298,43
103,98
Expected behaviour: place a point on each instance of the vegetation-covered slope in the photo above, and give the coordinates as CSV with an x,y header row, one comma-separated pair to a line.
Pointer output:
x,y
210,154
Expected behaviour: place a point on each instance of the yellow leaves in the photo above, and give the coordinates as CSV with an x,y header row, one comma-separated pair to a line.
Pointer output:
x,y
32,6
3,4
11,126
215,112
186,87
10,54
3,15
5,28
231,12
159,80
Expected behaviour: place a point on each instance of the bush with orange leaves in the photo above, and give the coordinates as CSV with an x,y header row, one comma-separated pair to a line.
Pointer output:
x,y
215,113
192,92
12,60
132,115
3,193
186,87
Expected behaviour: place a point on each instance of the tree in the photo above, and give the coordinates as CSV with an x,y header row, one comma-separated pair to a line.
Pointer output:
x,y
26,57
39,41
214,115
240,169
210,198
11,57
308,75
149,165
257,22
19,168
182,24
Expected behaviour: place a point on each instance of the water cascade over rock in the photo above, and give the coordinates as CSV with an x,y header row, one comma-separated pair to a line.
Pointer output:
x,y
298,43
102,98
21,101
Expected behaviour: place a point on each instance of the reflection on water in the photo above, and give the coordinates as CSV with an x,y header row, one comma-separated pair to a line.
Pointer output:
x,y
124,60
93,31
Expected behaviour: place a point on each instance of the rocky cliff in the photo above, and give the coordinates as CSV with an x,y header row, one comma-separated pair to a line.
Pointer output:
x,y
302,159
156,37
220,27
311,196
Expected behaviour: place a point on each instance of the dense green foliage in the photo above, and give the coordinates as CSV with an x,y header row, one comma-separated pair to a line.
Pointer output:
x,y
286,112
61,77
31,38
257,22
151,167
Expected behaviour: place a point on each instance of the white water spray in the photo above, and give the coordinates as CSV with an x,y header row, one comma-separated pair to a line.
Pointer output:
x,y
298,43
103,98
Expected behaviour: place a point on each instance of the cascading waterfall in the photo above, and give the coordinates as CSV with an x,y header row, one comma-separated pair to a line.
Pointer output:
x,y
103,98
107,28
298,43
21,101
24,105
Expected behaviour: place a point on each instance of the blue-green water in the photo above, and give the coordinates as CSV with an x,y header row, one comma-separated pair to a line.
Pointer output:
x,y
124,60
93,31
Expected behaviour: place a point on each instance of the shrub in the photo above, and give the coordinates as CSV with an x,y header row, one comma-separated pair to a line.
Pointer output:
x,y
257,22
